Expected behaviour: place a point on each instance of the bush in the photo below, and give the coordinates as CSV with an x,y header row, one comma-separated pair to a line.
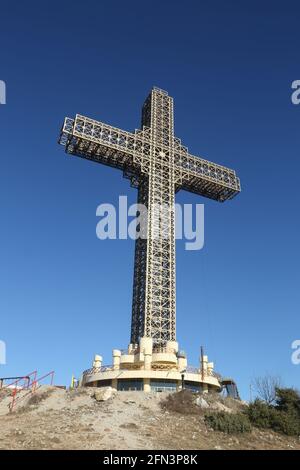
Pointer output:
x,y
286,423
288,399
261,414
228,423
283,418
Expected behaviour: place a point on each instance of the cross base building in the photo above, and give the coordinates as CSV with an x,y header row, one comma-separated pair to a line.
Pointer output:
x,y
151,368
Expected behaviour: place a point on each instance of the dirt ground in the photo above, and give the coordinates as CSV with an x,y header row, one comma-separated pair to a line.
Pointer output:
x,y
58,419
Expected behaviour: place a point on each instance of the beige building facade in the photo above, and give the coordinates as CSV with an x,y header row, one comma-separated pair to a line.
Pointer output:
x,y
149,368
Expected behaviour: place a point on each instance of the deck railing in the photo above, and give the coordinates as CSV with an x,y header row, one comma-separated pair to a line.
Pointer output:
x,y
189,370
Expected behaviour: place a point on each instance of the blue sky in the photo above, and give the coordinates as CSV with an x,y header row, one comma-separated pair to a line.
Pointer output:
x,y
66,295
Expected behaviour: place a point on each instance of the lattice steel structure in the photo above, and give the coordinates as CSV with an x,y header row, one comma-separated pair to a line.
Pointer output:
x,y
158,165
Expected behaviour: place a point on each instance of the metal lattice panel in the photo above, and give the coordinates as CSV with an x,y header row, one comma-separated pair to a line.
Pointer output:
x,y
158,165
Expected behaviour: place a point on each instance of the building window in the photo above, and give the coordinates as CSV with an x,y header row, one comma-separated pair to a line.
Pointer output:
x,y
130,384
104,383
163,385
192,386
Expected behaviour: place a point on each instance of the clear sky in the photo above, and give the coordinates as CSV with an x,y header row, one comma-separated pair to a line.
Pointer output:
x,y
65,295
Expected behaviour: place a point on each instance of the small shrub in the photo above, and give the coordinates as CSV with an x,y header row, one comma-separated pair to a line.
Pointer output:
x,y
181,402
36,398
228,423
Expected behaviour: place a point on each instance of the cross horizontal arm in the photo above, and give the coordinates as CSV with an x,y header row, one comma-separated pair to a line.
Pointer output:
x,y
105,144
205,178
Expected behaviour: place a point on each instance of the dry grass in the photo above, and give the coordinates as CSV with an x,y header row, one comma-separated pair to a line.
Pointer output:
x,y
4,392
182,402
37,398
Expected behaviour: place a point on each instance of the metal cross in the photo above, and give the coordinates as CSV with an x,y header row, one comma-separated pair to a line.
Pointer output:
x,y
158,165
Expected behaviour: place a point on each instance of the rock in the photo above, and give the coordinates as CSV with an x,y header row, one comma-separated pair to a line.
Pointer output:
x,y
218,448
220,407
104,394
244,403
202,403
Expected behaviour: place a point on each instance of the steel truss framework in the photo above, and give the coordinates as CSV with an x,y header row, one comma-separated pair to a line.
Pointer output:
x,y
158,165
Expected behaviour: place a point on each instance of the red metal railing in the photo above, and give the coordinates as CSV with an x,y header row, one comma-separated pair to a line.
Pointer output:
x,y
25,378
31,387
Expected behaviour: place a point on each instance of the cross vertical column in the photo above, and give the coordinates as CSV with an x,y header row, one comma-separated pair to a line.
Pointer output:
x,y
140,268
154,303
